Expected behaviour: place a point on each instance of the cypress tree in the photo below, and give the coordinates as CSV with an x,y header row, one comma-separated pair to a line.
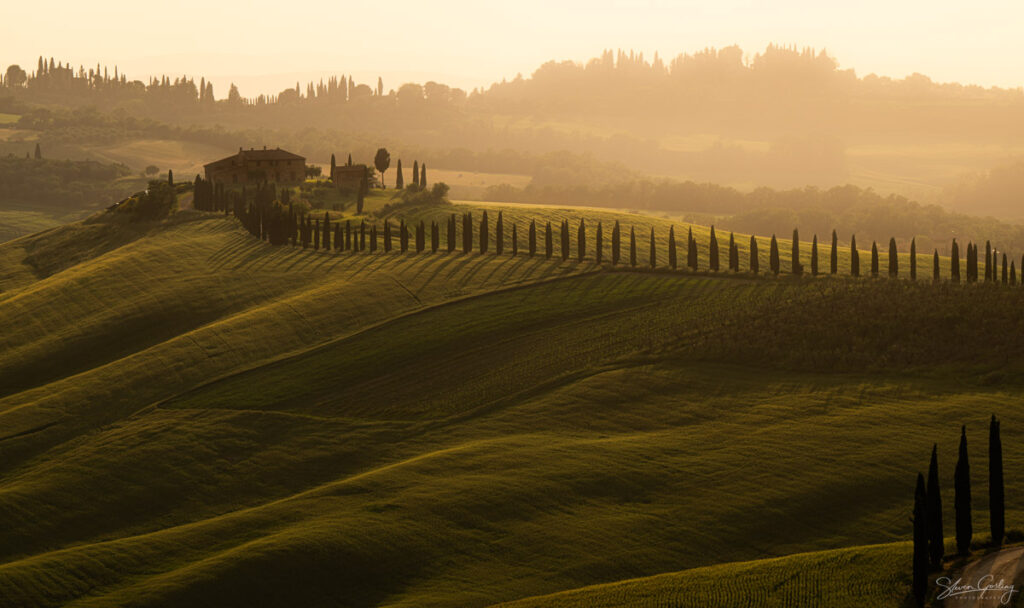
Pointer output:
x,y
755,262
387,236
499,235
734,257
936,542
854,257
920,576
467,233
1013,273
348,235
834,254
962,497
632,247
615,243
548,244
316,236
515,241
691,250
416,173
565,239
581,241
39,156
773,257
423,176
327,231
654,252
672,247
435,236
913,259
935,269
170,174
403,236
484,233
874,259
399,178
452,228
713,251
798,268
814,256
599,244
988,261
996,508
362,235
972,263
533,238
954,257
373,238
421,237
894,268
334,165
1005,271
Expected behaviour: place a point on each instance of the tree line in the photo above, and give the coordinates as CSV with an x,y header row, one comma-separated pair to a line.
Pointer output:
x,y
929,539
265,216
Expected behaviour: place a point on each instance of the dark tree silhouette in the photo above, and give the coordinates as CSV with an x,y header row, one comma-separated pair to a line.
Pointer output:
x,y
894,262
327,231
755,262
854,257
833,255
484,233
599,244
387,236
170,174
920,576
373,238
316,236
773,256
416,173
1005,271
382,160
39,156
988,261
672,247
421,240
452,230
564,234
499,235
996,508
691,250
403,236
533,238
713,250
581,241
423,176
399,178
962,497
913,259
435,236
814,256
632,247
798,268
515,240
954,258
654,250
334,166
467,233
616,242
1013,272
734,254
548,242
874,259
935,267
936,542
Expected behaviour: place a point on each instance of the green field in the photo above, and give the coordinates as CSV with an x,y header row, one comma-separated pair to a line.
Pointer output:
x,y
189,416
8,119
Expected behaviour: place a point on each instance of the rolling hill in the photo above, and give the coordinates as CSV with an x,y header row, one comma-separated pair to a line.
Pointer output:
x,y
189,416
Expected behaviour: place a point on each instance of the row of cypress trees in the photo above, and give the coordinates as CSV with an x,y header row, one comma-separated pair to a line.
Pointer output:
x,y
257,214
929,546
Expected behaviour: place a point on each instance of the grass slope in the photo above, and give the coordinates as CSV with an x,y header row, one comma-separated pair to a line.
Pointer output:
x,y
191,417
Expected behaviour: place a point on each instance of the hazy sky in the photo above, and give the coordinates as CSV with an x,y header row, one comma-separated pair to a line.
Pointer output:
x,y
265,46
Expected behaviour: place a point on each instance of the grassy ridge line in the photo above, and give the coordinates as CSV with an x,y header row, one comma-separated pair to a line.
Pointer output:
x,y
877,575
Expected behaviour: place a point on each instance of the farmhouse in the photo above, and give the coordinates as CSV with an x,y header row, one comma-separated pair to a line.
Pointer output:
x,y
349,177
257,166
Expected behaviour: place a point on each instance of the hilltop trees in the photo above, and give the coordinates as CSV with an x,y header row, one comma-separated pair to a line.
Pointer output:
x,y
672,247
548,244
773,257
834,255
399,178
962,497
632,247
467,233
894,264
416,173
713,251
798,268
691,250
565,239
936,546
996,508
874,258
423,175
382,160
814,256
484,229
616,242
755,262
854,257
734,254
